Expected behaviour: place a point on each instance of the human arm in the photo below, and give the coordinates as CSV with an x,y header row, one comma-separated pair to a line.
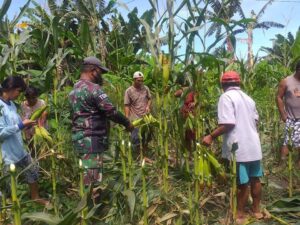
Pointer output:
x,y
149,97
127,110
127,103
279,100
8,130
42,120
104,105
221,129
178,93
148,107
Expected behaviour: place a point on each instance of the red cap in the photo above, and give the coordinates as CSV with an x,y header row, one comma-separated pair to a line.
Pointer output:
x,y
230,77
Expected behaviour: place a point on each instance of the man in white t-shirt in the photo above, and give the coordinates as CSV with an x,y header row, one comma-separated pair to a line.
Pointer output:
x,y
237,118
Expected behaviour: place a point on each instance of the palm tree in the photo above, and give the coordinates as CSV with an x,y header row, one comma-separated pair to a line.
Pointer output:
x,y
257,24
222,15
281,51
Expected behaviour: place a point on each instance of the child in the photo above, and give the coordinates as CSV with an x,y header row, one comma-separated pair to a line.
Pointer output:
x,y
31,104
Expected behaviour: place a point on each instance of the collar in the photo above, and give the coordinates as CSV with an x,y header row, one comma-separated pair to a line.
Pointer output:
x,y
6,102
233,88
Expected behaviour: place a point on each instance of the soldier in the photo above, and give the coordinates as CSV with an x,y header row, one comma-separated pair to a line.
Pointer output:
x,y
91,112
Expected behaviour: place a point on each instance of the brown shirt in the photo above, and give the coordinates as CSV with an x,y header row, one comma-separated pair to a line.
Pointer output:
x,y
292,97
137,100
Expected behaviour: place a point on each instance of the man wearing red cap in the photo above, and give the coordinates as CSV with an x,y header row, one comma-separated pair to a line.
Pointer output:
x,y
237,119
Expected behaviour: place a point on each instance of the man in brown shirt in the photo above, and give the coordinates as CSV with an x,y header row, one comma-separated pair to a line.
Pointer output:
x,y
137,101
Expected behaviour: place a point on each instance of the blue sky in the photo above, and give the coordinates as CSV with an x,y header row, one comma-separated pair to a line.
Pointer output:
x,y
282,11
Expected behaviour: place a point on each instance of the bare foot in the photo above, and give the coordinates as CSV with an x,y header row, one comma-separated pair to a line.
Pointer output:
x,y
258,215
41,201
241,220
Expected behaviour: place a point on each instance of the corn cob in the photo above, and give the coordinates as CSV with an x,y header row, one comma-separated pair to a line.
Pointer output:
x,y
37,113
145,120
42,133
166,69
217,166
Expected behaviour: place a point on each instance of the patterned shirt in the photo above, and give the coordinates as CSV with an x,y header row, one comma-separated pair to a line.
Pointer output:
x,y
91,112
26,114
137,100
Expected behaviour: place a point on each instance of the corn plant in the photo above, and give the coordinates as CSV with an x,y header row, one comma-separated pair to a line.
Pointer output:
x,y
145,198
15,200
290,162
233,181
53,177
3,197
130,166
82,192
123,161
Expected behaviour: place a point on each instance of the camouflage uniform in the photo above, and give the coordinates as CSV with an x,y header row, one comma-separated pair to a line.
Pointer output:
x,y
91,112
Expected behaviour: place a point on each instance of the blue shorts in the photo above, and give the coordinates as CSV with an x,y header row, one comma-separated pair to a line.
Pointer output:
x,y
246,170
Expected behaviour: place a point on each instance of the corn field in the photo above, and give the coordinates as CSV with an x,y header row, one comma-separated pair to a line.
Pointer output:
x,y
46,47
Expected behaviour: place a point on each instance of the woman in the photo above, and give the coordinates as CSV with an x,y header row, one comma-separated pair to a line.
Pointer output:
x,y
11,125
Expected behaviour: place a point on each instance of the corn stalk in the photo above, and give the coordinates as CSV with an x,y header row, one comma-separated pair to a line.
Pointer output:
x,y
81,192
145,198
290,163
53,176
233,181
15,200
3,198
123,161
130,166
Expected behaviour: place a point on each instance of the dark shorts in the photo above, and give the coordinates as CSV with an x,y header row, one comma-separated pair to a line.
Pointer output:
x,y
93,168
26,169
246,170
292,125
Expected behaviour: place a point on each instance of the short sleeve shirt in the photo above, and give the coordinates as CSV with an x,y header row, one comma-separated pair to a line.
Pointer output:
x,y
28,110
26,114
235,107
137,100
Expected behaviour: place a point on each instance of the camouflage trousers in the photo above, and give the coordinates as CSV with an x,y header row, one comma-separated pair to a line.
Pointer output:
x,y
93,168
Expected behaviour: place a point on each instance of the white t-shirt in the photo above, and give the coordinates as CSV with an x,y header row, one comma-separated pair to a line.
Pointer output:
x,y
235,107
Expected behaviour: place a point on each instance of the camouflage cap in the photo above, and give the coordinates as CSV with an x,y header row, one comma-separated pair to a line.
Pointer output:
x,y
91,60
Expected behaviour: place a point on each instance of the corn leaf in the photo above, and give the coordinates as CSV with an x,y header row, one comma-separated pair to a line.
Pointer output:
x,y
4,8
43,217
130,196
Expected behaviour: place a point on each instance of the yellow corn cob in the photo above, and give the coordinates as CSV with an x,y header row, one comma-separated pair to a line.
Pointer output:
x,y
46,135
42,134
137,122
37,113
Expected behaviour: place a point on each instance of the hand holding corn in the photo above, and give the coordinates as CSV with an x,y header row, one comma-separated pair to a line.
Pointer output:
x,y
28,122
207,140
